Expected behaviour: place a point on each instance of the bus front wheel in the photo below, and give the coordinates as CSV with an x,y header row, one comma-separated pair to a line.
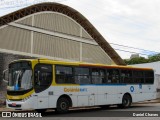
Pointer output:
x,y
126,101
62,105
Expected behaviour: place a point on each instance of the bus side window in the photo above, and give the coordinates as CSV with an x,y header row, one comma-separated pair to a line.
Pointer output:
x,y
98,76
64,74
95,76
109,76
149,77
115,76
103,75
138,76
123,75
82,75
126,76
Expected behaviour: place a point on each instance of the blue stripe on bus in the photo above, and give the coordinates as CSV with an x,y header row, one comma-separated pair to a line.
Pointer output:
x,y
103,84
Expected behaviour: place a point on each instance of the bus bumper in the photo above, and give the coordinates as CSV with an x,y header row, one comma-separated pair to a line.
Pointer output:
x,y
19,105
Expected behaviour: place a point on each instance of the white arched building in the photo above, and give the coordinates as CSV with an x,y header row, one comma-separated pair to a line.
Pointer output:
x,y
54,31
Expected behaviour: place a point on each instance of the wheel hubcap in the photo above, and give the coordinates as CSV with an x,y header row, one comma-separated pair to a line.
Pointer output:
x,y
63,105
126,102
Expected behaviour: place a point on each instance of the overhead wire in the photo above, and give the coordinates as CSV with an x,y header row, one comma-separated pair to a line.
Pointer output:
x,y
150,52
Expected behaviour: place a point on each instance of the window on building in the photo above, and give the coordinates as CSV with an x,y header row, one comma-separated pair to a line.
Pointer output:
x,y
82,75
64,74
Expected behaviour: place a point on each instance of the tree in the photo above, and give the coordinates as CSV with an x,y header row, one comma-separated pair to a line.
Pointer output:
x,y
154,58
138,60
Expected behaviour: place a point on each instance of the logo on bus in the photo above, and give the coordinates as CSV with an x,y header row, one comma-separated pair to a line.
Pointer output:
x,y
132,89
75,89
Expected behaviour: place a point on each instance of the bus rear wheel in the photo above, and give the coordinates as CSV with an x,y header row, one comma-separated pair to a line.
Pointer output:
x,y
126,101
62,105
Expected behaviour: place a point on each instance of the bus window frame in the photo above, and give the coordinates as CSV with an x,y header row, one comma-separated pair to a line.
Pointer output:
x,y
105,74
136,70
131,78
63,66
98,68
107,69
41,90
153,77
89,75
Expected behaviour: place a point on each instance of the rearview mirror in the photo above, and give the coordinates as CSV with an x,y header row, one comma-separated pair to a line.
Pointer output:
x,y
5,75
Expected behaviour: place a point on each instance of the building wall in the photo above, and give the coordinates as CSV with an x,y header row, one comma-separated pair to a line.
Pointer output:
x,y
57,47
15,39
51,35
48,35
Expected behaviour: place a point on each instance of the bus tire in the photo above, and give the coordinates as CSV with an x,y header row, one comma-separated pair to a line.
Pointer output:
x,y
62,105
126,101
41,110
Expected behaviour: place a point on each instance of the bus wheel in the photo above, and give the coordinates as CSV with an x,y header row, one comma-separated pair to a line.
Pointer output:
x,y
62,105
126,101
41,110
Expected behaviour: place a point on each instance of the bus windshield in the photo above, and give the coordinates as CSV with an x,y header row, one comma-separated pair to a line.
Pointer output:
x,y
20,76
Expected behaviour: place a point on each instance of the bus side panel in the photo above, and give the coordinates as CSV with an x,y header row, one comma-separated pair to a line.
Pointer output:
x,y
102,95
64,90
42,99
53,97
142,92
108,94
146,92
87,95
80,95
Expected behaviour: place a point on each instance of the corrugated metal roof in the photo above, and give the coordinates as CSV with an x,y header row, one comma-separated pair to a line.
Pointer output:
x,y
78,17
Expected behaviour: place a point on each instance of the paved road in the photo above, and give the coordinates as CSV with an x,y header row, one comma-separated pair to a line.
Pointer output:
x,y
90,114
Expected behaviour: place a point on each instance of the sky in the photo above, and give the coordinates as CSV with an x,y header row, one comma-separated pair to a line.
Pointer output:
x,y
133,23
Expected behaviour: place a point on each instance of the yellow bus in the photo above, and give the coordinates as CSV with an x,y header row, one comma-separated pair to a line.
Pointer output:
x,y
43,84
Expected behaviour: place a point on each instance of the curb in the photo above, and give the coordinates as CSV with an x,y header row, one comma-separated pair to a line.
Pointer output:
x,y
151,101
12,110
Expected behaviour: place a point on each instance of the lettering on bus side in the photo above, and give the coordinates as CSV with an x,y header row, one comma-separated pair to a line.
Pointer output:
x,y
75,89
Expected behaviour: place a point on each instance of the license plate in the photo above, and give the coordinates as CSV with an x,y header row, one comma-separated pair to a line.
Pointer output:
x,y
13,104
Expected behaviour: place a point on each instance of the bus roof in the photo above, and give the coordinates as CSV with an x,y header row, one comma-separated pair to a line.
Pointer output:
x,y
83,64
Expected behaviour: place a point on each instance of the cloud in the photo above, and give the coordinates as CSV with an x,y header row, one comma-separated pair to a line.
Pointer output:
x,y
128,22
132,23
